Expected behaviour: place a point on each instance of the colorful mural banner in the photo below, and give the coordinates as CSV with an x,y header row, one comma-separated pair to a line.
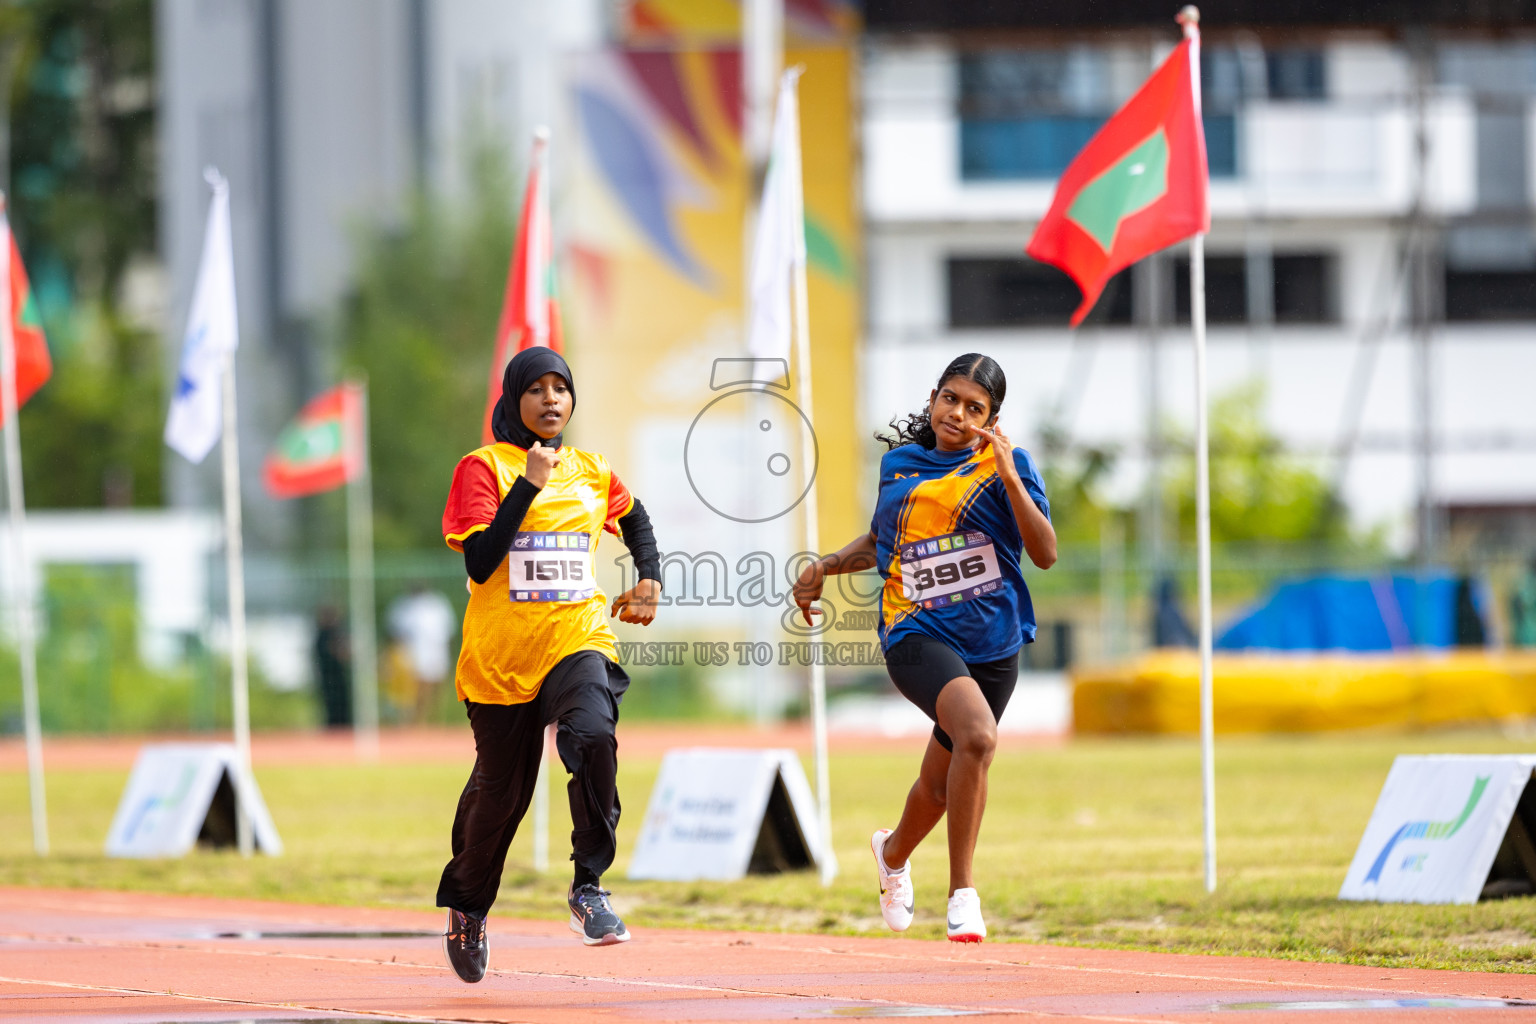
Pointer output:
x,y
655,204
718,22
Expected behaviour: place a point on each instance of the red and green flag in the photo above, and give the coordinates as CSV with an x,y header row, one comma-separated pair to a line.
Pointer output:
x,y
33,364
1138,186
321,449
529,314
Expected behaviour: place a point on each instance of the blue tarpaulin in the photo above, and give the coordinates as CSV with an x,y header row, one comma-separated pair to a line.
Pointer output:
x,y
1339,613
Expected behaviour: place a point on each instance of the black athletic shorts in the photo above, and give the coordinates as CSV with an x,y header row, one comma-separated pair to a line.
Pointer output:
x,y
920,666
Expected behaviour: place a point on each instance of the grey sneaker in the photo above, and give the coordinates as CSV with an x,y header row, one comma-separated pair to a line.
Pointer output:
x,y
592,917
466,946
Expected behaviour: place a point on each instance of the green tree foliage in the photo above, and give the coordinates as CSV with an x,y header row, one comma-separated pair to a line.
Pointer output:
x,y
1072,483
422,326
82,175
101,416
1258,492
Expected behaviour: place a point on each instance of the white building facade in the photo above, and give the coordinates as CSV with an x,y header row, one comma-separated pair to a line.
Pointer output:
x,y
1330,151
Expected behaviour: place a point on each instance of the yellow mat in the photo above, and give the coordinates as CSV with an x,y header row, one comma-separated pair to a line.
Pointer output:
x,y
1160,691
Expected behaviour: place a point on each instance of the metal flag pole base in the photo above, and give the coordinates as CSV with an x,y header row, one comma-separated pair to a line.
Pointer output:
x,y
365,645
541,805
20,577
1203,544
235,567
1189,18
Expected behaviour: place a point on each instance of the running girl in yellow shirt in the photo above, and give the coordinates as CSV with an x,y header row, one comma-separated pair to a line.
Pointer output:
x,y
527,512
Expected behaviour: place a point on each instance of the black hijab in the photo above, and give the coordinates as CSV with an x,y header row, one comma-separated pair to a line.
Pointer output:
x,y
522,370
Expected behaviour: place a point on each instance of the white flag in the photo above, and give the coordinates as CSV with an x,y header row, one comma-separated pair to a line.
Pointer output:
x,y
195,421
780,243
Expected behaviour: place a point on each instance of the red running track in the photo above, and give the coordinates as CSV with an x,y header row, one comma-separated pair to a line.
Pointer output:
x,y
129,958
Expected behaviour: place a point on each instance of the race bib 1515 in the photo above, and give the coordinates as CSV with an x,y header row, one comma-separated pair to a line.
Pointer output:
x,y
551,566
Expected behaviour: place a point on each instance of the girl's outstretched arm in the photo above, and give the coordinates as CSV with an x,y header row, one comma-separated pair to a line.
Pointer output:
x,y
855,556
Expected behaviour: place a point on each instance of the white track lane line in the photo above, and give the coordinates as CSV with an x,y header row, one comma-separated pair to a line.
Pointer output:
x,y
231,1001
968,1009
1177,976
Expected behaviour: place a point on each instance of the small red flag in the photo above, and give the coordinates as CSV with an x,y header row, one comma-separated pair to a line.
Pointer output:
x,y
529,314
33,364
321,449
1138,186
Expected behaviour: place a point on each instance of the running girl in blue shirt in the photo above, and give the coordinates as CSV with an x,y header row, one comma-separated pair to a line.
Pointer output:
x,y
958,505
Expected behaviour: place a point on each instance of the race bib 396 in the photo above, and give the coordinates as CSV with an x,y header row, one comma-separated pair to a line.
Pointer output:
x,y
949,569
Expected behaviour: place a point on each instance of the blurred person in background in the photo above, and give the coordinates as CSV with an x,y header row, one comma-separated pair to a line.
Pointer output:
x,y
397,683
1471,631
421,622
1522,609
333,667
1169,626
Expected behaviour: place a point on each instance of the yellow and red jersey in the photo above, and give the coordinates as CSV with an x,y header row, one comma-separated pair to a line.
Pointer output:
x,y
517,629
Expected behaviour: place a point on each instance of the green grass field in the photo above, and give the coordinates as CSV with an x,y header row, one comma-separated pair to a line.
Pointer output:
x,y
1095,843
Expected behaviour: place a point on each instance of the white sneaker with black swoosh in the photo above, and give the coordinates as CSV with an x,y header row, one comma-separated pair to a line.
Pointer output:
x,y
895,886
964,917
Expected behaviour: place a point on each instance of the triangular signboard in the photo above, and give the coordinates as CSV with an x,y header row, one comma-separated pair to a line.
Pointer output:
x,y
720,814
1449,828
182,794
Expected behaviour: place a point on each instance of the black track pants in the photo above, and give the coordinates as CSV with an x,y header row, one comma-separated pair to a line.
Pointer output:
x,y
581,696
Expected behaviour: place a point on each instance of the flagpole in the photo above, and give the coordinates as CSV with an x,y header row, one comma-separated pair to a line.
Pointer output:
x,y
762,59
19,582
365,651
827,860
538,311
234,560
541,245
1189,17
541,806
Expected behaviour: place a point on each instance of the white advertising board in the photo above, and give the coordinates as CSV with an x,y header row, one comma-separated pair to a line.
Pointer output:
x,y
708,808
1436,829
169,795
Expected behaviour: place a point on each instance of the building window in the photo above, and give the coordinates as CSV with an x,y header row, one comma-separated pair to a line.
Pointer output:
x,y
1039,146
1006,291
1490,272
1009,291
1490,294
1296,73
1303,287
1231,75
1024,114
1226,289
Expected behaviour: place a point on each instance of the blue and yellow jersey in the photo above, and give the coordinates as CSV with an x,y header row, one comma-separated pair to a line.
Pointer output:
x,y
948,548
